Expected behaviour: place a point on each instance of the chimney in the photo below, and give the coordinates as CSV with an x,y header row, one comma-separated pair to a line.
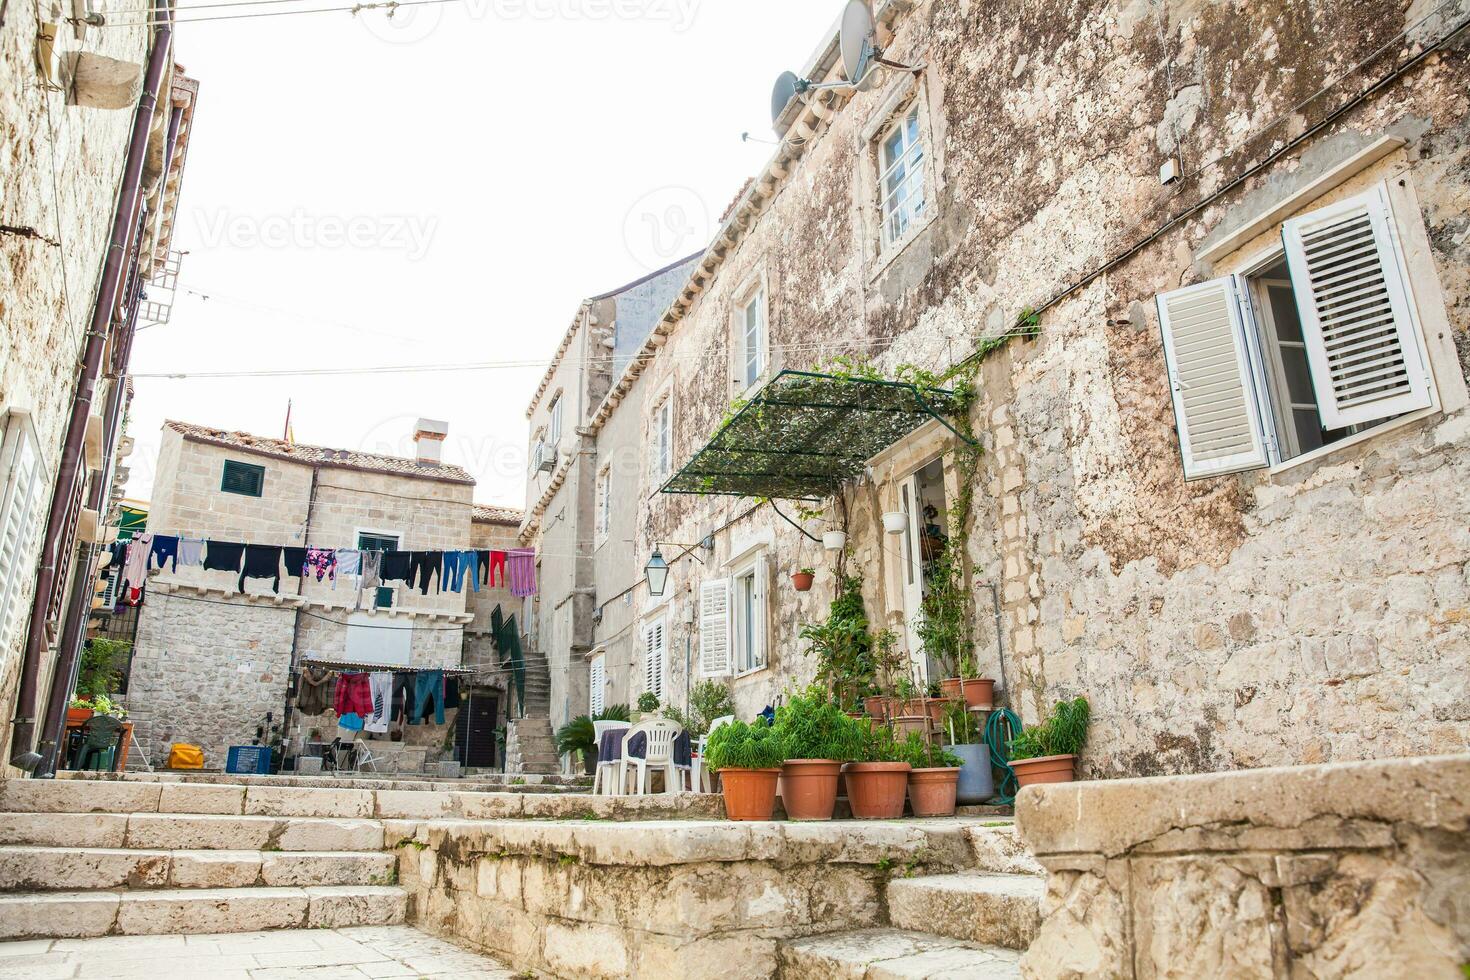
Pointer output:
x,y
428,440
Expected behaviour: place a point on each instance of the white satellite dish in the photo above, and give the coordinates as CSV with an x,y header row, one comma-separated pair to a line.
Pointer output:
x,y
858,40
787,87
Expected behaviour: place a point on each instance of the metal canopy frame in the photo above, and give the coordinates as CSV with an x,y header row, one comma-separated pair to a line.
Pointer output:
x,y
804,433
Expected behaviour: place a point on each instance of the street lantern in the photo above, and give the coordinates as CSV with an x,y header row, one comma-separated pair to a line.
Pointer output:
x,y
657,573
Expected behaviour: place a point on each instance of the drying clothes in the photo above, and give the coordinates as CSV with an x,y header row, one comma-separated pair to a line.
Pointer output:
x,y
135,567
396,566
381,685
224,556
372,568
429,684
352,721
402,694
295,561
191,552
349,561
322,561
482,566
494,561
311,695
458,571
262,561
521,568
354,695
165,549
451,692
423,565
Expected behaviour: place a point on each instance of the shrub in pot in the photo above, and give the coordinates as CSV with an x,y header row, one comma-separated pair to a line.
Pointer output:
x,y
748,759
933,779
648,704
578,735
876,783
1046,753
802,579
819,738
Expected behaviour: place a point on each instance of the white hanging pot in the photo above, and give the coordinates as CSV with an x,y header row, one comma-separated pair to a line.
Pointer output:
x,y
895,522
834,540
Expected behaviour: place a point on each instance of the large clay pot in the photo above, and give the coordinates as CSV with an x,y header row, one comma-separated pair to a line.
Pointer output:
x,y
877,707
913,708
750,794
951,688
875,790
1045,769
802,581
935,708
905,724
809,788
977,784
932,791
979,692
78,715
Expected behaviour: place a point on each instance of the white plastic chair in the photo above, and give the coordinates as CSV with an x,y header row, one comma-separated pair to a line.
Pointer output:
x,y
362,755
602,782
658,753
699,777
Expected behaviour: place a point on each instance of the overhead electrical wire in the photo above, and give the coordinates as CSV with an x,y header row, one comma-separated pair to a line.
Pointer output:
x,y
390,5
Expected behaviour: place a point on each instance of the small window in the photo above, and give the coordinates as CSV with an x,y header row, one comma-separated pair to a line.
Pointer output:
x,y
383,597
654,646
597,685
553,426
243,478
901,177
604,504
663,438
752,326
748,609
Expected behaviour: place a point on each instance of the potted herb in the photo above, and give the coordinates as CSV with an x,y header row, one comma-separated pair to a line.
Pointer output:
x,y
802,579
648,704
977,691
933,779
976,777
579,735
877,782
1047,752
79,710
748,759
819,738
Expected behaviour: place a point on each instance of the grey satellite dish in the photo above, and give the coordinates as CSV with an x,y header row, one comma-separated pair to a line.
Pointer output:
x,y
787,87
858,48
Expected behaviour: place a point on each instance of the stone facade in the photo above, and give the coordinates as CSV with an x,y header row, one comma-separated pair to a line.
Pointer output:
x,y
1313,871
1312,611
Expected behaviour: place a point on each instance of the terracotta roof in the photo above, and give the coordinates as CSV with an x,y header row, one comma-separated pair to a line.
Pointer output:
x,y
496,515
322,455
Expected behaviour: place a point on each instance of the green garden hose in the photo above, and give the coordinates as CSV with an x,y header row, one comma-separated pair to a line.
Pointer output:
x,y
1002,726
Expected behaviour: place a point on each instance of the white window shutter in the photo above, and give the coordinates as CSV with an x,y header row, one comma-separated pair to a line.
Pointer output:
x,y
1365,354
759,626
714,627
1210,377
654,657
597,681
20,522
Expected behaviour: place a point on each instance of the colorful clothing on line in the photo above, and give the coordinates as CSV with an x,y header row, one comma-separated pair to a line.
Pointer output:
x,y
354,695
135,567
352,721
380,683
191,552
458,571
495,561
395,566
323,561
349,561
311,695
520,565
165,549
423,566
428,684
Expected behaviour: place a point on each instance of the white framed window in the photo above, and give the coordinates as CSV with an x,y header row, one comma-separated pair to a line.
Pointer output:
x,y
901,188
553,421
655,648
597,685
748,615
661,437
602,521
750,329
1315,343
22,504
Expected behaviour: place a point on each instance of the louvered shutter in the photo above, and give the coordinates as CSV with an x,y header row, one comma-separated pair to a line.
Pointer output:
x,y
598,684
20,522
1209,365
760,620
714,627
1364,351
653,656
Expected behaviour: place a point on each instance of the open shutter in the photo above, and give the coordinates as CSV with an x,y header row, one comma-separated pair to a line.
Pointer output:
x,y
654,657
759,621
1366,359
714,627
597,682
21,500
1206,353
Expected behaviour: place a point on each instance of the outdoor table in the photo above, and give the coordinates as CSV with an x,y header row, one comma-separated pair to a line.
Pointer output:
x,y
610,749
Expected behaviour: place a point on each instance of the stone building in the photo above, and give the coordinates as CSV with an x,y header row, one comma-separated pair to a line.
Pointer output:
x,y
96,124
1239,527
211,660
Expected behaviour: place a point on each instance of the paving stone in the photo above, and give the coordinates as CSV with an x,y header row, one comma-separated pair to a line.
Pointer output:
x,y
288,801
62,796
888,954
192,798
302,868
166,831
30,915
331,835
215,869
1000,850
333,907
64,829
997,910
211,910
409,804
80,868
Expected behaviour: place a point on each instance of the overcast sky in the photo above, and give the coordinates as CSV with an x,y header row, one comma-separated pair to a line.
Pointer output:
x,y
442,188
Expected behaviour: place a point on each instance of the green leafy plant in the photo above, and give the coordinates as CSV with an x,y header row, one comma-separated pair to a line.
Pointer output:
x,y
100,704
647,701
922,754
578,735
879,746
815,727
962,726
1064,732
946,628
102,663
806,571
843,646
737,745
709,700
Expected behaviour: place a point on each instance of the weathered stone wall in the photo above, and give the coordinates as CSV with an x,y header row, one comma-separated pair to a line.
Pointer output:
x,y
1319,871
1313,613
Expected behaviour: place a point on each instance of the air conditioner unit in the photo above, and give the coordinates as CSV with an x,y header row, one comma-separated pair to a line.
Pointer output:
x,y
544,459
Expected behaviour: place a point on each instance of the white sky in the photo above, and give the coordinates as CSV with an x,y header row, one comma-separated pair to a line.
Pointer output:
x,y
497,160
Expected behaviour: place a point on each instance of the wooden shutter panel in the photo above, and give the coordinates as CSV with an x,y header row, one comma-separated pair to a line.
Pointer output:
x,y
598,684
760,622
21,500
1366,359
1210,376
714,627
654,658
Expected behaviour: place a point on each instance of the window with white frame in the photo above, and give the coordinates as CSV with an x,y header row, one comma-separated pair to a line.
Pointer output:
x,y
661,436
553,424
597,685
603,520
901,191
751,329
22,502
1314,343
655,647
732,621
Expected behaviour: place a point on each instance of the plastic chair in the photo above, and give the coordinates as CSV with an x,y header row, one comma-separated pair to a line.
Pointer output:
x,y
658,753
358,752
99,741
602,781
699,777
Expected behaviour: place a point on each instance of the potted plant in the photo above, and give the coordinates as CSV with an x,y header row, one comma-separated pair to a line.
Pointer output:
x,y
976,777
819,738
1047,752
877,782
834,540
579,735
79,710
895,522
933,778
648,704
748,759
802,579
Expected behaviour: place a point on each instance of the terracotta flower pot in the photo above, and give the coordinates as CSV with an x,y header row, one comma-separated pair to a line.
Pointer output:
x,y
904,724
75,715
935,708
913,708
951,688
875,790
802,581
1045,769
932,791
809,788
979,692
877,707
750,794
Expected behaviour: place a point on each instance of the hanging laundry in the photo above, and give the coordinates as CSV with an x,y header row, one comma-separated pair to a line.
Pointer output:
x,y
429,685
352,721
349,561
311,695
354,695
396,566
322,561
191,552
372,569
262,561
520,565
402,695
482,566
451,692
223,556
135,567
295,561
424,565
381,685
495,562
165,549
458,572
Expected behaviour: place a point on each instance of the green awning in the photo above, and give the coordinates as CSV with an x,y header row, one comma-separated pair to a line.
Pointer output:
x,y
803,434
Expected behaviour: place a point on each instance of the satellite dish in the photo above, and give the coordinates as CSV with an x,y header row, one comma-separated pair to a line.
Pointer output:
x,y
857,40
787,86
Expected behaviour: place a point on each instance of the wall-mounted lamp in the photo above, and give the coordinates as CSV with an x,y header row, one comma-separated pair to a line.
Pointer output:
x,y
656,572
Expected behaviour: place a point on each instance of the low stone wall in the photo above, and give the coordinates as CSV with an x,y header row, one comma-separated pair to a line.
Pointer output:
x,y
1356,869
662,899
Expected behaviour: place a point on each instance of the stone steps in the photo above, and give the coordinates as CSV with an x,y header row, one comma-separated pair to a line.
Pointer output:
x,y
892,954
998,849
37,869
88,914
978,907
174,831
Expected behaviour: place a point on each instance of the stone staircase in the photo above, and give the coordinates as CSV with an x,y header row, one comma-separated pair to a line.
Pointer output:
x,y
80,859
974,924
534,744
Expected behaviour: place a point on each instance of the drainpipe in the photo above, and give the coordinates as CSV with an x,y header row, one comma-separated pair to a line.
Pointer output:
x,y
24,731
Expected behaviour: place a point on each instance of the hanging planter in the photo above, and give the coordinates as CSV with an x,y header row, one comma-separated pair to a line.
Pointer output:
x,y
834,540
802,580
895,522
